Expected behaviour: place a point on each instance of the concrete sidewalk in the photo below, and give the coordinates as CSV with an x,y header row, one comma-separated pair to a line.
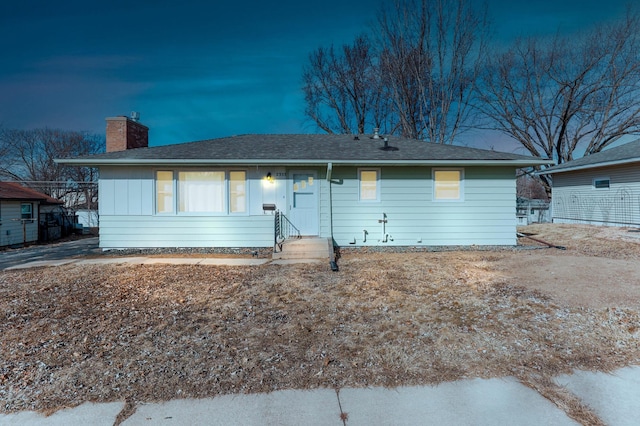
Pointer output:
x,y
141,260
613,397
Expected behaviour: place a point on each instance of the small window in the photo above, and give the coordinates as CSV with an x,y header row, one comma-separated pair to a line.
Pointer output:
x,y
237,192
369,187
26,211
601,183
164,192
447,185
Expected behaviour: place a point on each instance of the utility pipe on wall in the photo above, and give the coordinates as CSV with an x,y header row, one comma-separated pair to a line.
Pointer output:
x,y
383,221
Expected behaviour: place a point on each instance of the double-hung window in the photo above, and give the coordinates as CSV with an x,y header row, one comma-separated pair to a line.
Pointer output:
x,y
237,191
369,181
26,211
165,200
448,185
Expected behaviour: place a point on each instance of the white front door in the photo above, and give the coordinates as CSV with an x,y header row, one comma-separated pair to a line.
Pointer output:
x,y
303,210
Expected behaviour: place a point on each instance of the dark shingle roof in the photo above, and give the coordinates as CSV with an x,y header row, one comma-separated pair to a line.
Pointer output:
x,y
627,153
302,149
15,192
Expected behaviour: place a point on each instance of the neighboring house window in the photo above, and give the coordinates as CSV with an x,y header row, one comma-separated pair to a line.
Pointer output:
x,y
237,191
448,184
369,184
201,192
164,192
26,211
601,183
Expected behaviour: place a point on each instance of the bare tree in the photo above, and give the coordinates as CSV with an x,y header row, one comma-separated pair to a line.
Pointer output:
x,y
341,88
528,186
29,157
561,96
414,75
430,53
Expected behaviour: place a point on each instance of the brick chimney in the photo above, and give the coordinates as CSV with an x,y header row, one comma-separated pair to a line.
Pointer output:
x,y
126,133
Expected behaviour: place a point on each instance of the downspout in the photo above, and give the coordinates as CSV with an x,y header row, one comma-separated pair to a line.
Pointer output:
x,y
332,260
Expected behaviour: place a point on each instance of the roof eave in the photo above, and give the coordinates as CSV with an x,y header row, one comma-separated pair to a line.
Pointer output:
x,y
298,162
590,166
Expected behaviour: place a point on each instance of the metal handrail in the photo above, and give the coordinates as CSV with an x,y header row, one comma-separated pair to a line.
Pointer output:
x,y
283,229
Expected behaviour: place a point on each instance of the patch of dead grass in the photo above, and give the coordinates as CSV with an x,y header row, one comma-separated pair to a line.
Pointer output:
x,y
599,241
156,332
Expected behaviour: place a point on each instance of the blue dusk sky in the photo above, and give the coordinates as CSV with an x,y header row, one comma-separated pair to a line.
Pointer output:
x,y
201,69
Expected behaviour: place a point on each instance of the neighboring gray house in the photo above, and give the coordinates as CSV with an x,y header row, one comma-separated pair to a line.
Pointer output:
x,y
599,189
359,190
21,213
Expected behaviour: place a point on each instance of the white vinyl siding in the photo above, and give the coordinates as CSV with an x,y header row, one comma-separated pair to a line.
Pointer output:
x,y
485,215
575,199
186,231
13,229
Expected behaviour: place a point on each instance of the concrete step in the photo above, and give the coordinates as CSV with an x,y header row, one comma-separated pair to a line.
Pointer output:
x,y
306,248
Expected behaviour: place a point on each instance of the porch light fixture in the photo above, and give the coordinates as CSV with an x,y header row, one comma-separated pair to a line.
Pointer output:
x,y
269,177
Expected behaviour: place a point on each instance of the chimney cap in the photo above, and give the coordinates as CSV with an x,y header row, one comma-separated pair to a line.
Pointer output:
x,y
135,115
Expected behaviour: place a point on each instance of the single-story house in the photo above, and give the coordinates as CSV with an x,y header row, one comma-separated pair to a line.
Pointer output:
x,y
598,189
532,210
21,210
358,190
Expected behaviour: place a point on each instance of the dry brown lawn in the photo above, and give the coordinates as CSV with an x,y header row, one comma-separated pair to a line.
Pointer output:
x,y
145,333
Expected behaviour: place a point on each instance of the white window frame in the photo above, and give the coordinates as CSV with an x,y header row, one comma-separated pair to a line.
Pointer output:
x,y
601,179
31,217
244,212
173,192
460,185
378,180
226,200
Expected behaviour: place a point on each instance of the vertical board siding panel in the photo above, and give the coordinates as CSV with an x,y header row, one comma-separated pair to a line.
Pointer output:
x,y
325,204
255,189
121,195
134,197
106,192
147,195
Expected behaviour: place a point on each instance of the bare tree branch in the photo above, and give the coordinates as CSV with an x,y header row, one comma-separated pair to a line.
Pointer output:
x,y
560,97
417,78
28,156
342,89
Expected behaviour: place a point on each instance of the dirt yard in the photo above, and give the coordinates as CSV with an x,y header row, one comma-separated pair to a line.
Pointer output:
x,y
145,333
